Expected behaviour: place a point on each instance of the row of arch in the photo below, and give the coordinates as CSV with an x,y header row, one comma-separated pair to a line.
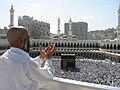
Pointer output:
x,y
88,44
79,45
111,46
75,45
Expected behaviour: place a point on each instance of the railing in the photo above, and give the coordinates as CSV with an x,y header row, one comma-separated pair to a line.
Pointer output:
x,y
65,84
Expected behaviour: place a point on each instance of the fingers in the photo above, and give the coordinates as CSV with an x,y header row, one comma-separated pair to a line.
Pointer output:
x,y
48,51
53,48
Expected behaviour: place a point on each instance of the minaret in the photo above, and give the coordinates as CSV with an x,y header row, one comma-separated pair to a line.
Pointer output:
x,y
70,28
119,16
118,28
58,32
12,16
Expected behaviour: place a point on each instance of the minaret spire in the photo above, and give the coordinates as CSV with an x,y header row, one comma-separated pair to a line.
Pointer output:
x,y
70,23
70,27
58,32
12,16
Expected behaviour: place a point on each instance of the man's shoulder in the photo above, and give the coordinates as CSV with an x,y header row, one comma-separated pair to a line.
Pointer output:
x,y
33,64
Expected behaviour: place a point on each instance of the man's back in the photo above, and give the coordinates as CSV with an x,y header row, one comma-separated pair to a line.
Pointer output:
x,y
13,68
13,65
18,71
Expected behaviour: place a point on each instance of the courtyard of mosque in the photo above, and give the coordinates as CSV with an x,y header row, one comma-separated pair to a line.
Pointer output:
x,y
103,72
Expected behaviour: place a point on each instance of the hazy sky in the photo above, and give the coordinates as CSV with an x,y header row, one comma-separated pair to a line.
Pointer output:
x,y
99,14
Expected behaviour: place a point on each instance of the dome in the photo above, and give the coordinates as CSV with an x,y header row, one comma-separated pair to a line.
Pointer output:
x,y
56,36
74,36
116,40
64,36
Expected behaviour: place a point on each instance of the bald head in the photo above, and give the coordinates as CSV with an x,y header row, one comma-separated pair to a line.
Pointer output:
x,y
15,33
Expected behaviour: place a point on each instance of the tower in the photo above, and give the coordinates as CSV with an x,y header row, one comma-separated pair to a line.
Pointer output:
x,y
58,32
12,16
118,28
119,16
70,28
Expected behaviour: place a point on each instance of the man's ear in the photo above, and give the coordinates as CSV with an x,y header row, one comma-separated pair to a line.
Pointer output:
x,y
20,42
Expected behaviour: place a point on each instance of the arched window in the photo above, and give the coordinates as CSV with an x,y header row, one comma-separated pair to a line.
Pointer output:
x,y
107,46
56,45
74,44
77,44
90,45
84,45
62,45
87,45
37,45
81,45
68,44
43,45
71,44
65,45
118,47
93,45
114,46
59,45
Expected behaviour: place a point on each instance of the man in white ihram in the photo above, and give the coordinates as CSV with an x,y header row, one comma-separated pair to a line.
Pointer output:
x,y
18,71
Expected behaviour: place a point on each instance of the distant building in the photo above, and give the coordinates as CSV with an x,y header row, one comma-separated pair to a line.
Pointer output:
x,y
79,29
37,29
109,33
4,30
3,33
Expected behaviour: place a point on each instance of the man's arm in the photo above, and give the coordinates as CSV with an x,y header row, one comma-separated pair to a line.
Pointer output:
x,y
42,70
42,74
45,64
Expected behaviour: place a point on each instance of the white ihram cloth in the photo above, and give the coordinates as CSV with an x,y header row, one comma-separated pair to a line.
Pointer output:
x,y
19,72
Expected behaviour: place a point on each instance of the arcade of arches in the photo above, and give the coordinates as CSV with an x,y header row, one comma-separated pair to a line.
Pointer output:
x,y
81,48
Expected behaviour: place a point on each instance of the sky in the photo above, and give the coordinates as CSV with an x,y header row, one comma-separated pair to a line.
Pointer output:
x,y
99,14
